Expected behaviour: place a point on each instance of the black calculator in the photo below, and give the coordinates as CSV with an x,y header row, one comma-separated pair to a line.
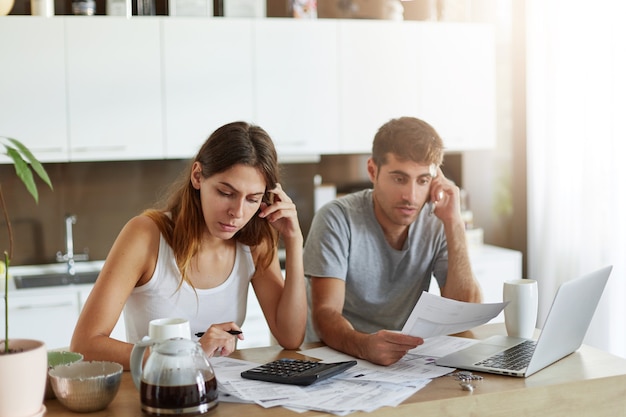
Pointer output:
x,y
296,371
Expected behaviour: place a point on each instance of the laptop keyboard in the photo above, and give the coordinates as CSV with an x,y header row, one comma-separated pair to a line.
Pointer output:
x,y
514,358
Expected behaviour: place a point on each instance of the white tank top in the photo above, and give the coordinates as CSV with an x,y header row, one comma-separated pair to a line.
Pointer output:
x,y
159,297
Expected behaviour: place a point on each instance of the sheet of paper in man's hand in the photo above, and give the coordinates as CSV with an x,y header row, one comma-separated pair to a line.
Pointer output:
x,y
436,316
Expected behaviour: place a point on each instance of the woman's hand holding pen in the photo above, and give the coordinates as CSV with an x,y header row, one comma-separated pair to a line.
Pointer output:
x,y
219,340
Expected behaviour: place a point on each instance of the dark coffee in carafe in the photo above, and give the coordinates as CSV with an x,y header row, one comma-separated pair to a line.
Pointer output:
x,y
178,378
178,399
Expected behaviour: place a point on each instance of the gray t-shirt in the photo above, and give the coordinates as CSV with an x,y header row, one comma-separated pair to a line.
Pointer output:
x,y
382,284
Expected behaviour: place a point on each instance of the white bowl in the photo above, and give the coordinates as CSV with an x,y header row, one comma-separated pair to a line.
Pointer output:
x,y
86,386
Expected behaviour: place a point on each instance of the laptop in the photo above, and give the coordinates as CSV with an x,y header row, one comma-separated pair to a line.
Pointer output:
x,y
564,330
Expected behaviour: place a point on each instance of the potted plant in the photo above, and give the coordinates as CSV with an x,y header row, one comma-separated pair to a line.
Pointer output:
x,y
24,362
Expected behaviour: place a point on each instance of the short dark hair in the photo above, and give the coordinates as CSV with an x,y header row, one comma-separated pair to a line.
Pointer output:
x,y
408,138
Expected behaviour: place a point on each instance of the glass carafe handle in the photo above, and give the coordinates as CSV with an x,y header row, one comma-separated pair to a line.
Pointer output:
x,y
136,360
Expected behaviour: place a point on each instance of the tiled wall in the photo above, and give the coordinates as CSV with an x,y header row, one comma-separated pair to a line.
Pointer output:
x,y
103,196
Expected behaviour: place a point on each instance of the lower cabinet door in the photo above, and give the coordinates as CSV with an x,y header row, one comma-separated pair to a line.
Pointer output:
x,y
50,318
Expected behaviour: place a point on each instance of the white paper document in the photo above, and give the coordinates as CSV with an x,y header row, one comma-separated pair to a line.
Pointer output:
x,y
437,316
439,346
340,395
411,368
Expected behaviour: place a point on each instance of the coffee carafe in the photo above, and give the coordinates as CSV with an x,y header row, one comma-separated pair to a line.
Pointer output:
x,y
177,377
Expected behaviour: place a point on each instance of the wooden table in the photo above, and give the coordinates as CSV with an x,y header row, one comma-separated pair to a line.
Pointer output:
x,y
587,382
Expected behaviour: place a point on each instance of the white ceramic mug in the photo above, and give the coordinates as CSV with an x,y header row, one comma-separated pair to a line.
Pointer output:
x,y
520,315
167,328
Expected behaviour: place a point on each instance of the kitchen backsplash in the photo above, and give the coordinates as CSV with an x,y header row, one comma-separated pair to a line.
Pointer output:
x,y
104,196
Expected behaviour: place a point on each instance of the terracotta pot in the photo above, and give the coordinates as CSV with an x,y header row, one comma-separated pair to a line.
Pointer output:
x,y
23,378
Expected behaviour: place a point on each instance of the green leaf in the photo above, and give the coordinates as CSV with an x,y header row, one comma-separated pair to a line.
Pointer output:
x,y
34,162
23,172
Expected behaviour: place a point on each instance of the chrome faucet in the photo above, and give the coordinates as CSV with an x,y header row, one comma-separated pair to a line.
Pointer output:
x,y
69,256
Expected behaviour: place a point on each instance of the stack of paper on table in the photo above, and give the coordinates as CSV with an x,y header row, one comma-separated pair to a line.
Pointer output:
x,y
366,387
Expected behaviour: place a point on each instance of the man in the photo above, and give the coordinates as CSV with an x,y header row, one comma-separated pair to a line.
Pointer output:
x,y
370,254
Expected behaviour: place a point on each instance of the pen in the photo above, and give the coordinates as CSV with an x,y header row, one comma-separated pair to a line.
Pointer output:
x,y
233,332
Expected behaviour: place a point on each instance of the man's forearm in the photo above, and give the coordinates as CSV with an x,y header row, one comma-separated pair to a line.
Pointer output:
x,y
337,332
460,283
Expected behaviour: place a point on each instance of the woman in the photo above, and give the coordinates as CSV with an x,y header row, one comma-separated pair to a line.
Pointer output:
x,y
195,258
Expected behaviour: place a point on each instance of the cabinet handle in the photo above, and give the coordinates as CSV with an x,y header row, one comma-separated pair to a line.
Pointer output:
x,y
51,305
48,150
117,148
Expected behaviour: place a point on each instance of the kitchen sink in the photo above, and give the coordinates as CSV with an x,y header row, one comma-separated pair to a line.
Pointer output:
x,y
53,280
53,275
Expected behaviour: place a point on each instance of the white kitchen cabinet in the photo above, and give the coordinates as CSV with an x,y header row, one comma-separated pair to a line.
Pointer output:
x,y
32,85
457,83
208,79
50,314
297,85
111,88
378,78
50,317
278,73
443,73
114,88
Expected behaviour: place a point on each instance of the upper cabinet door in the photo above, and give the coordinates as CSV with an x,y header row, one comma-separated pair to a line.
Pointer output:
x,y
378,78
208,73
457,89
109,88
296,85
114,88
32,85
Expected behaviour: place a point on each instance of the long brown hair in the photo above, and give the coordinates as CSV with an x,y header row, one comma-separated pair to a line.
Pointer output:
x,y
181,220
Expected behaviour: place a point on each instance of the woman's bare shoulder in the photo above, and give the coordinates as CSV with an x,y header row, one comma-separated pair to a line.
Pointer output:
x,y
136,248
142,224
140,230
